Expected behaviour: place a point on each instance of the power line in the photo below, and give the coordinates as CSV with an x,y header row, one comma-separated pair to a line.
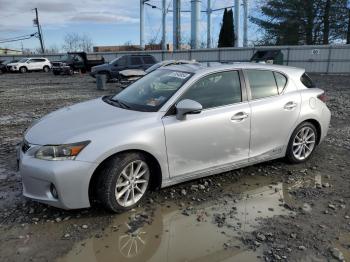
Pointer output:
x,y
18,39
15,37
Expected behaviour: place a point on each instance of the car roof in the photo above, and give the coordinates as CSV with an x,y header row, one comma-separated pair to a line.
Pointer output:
x,y
211,67
33,58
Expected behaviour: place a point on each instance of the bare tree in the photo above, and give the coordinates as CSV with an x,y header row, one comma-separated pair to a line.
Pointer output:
x,y
85,43
75,42
53,49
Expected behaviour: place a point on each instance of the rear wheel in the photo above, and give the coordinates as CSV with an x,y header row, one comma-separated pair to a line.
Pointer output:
x,y
302,143
23,69
123,182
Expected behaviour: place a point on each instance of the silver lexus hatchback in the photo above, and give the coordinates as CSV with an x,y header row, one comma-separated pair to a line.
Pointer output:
x,y
175,124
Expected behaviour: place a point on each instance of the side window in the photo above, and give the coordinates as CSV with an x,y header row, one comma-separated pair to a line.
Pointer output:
x,y
281,81
215,90
306,80
135,60
148,60
121,61
262,83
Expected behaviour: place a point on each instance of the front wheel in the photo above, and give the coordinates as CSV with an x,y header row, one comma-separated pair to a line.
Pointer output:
x,y
23,69
46,69
302,143
123,182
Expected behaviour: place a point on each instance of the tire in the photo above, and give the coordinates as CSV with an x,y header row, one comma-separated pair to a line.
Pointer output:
x,y
302,143
131,189
46,69
23,69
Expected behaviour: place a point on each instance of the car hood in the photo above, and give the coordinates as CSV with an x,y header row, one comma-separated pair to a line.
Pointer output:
x,y
14,64
69,123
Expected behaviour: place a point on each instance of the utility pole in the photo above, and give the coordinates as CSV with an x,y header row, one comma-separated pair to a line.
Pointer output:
x,y
195,22
209,24
164,11
236,22
142,24
177,24
36,22
245,23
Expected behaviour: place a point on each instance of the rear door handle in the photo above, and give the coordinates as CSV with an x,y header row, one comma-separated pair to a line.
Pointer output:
x,y
239,117
290,105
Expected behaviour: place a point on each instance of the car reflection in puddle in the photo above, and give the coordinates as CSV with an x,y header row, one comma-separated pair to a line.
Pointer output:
x,y
208,232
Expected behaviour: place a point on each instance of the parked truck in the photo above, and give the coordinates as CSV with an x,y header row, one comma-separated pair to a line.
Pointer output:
x,y
76,61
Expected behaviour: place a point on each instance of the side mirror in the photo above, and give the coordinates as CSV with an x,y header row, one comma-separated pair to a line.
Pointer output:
x,y
187,106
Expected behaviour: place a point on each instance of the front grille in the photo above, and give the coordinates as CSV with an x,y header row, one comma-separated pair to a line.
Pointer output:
x,y
25,146
56,64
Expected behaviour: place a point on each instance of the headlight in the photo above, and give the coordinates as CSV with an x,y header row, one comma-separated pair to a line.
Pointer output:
x,y
60,152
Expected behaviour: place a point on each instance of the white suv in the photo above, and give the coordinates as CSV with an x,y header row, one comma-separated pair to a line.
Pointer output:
x,y
30,64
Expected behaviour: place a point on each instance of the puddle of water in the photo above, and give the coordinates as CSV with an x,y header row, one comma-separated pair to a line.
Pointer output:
x,y
173,236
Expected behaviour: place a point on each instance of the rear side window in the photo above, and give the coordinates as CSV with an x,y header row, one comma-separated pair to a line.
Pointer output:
x,y
135,60
37,60
148,60
262,83
281,81
306,80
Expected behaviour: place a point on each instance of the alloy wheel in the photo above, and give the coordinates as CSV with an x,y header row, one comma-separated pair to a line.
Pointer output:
x,y
132,183
304,143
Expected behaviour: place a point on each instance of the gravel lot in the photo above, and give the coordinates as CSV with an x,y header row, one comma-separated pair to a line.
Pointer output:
x,y
267,212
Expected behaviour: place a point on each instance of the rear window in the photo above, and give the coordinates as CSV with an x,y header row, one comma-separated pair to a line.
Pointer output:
x,y
306,80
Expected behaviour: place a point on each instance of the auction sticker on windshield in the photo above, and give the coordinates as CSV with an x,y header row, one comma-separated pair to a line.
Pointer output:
x,y
180,75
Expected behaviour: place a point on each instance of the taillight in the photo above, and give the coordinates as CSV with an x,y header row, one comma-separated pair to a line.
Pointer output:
x,y
322,97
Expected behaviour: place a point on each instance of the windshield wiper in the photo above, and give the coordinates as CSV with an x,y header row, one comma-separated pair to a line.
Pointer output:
x,y
122,104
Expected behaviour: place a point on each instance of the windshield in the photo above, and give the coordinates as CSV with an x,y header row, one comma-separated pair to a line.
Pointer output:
x,y
115,59
152,91
23,60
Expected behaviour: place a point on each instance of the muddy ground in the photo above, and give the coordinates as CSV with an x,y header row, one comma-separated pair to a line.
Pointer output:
x,y
272,211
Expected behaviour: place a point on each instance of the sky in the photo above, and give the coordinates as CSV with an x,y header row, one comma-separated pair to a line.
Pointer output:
x,y
106,22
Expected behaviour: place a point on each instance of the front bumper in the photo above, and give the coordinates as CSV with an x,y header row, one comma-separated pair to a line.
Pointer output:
x,y
70,177
12,68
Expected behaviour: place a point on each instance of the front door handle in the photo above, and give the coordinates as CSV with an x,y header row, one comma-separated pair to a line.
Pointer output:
x,y
239,117
290,105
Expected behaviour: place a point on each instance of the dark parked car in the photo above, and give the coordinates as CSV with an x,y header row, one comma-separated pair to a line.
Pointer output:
x,y
269,56
3,65
112,69
76,61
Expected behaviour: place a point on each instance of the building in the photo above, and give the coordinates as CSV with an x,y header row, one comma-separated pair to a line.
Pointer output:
x,y
7,51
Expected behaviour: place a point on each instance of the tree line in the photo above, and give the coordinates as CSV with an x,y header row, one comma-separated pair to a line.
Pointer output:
x,y
299,22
